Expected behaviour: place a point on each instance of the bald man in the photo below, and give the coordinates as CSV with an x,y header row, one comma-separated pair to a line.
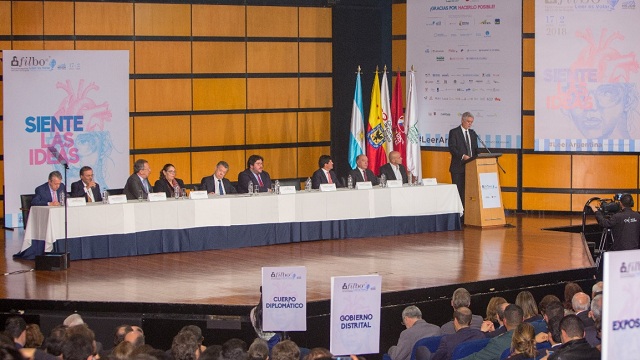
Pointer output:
x,y
394,170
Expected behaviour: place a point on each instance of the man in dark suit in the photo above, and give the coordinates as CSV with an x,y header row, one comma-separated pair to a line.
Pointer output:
x,y
325,173
254,173
138,183
581,303
51,192
86,186
463,332
217,183
463,144
394,170
361,173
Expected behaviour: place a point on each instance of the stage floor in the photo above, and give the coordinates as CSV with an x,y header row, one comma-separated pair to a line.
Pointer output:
x,y
233,277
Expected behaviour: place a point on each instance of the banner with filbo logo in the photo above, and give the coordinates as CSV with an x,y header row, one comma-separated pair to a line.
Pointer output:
x,y
284,298
355,314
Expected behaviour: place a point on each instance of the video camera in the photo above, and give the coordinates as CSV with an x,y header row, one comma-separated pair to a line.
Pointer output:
x,y
609,206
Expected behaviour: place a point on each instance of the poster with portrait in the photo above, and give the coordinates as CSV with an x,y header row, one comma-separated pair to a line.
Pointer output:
x,y
587,76
75,101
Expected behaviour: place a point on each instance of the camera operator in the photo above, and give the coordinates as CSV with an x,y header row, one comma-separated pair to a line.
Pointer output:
x,y
624,224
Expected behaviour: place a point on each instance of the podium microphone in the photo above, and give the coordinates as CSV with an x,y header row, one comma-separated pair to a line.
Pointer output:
x,y
486,148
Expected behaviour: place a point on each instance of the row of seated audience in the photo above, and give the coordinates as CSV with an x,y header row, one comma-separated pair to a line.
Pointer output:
x,y
138,185
523,330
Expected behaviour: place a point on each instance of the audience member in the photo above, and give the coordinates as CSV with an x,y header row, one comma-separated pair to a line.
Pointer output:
x,y
134,337
528,304
488,327
319,353
234,349
592,333
416,329
574,346
119,334
461,320
212,352
34,337
492,310
548,299
523,342
597,289
16,328
570,289
461,297
73,320
513,316
122,351
79,343
53,343
580,304
258,350
185,346
285,350
554,336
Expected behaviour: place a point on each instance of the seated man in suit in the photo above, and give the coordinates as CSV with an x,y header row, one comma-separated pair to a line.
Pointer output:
x,y
86,187
417,329
217,183
50,192
254,173
394,170
463,332
325,173
362,173
513,316
138,184
461,298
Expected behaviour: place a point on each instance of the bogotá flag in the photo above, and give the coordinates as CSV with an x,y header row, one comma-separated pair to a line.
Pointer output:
x,y
397,117
375,130
386,113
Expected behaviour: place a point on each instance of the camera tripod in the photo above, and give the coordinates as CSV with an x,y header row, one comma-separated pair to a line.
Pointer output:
x,y
606,234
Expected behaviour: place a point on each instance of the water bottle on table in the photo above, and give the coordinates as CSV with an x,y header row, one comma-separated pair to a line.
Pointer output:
x,y
350,182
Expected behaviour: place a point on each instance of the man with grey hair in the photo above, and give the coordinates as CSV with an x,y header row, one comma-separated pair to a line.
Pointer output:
x,y
461,298
580,303
596,289
463,145
592,332
138,185
417,329
49,193
217,184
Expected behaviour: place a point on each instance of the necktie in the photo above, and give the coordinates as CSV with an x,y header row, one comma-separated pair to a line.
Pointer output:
x,y
146,187
364,175
466,138
329,180
54,196
260,181
89,199
220,189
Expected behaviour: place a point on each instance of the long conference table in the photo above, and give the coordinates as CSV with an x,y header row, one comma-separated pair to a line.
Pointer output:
x,y
234,221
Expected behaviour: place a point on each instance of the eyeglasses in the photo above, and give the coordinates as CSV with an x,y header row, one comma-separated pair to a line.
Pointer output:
x,y
171,171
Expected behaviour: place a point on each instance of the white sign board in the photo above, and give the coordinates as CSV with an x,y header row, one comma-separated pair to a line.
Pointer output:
x,y
284,298
159,196
620,305
355,314
490,190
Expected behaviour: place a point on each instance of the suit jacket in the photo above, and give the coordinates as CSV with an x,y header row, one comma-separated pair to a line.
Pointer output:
x,y
77,190
457,148
319,177
450,341
584,316
476,323
209,183
387,170
246,176
357,176
43,194
408,338
162,185
494,348
576,349
134,186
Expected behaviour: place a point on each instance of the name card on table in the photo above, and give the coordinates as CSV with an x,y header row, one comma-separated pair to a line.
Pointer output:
x,y
394,183
200,194
117,199
328,187
159,196
284,294
79,201
287,190
364,185
429,181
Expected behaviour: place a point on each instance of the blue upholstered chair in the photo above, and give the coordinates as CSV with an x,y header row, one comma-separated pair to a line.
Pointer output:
x,y
468,347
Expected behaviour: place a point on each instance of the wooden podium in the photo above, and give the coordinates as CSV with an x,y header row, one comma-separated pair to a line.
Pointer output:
x,y
483,200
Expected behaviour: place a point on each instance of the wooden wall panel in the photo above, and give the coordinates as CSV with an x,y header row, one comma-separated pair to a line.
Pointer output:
x,y
110,45
163,57
272,21
316,57
230,20
308,159
181,161
163,19
219,57
314,126
528,55
316,92
543,201
279,163
435,164
272,57
399,55
217,130
1,103
271,128
399,19
219,94
28,45
315,22
104,18
28,17
510,164
528,16
131,134
58,18
163,95
528,93
528,132
272,93
59,45
605,171
162,131
544,171
204,163
509,200
132,95
5,19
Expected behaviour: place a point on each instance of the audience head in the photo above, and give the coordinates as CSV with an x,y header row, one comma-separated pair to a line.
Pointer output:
x,y
6,341
196,331
554,309
53,343
134,337
553,329
212,353
285,350
596,308
325,162
119,334
580,302
142,168
221,170
548,299
410,315
79,343
528,304
234,349
501,308
255,163
462,317
73,320
10,353
523,340
362,161
34,337
571,328
122,351
492,308
461,297
258,350
513,316
55,179
185,346
597,289
570,289
15,327
319,353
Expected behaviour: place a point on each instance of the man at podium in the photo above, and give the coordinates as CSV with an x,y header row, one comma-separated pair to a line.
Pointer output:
x,y
463,144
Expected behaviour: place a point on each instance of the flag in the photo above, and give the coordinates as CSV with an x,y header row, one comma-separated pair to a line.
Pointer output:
x,y
356,142
375,132
414,162
387,124
397,117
